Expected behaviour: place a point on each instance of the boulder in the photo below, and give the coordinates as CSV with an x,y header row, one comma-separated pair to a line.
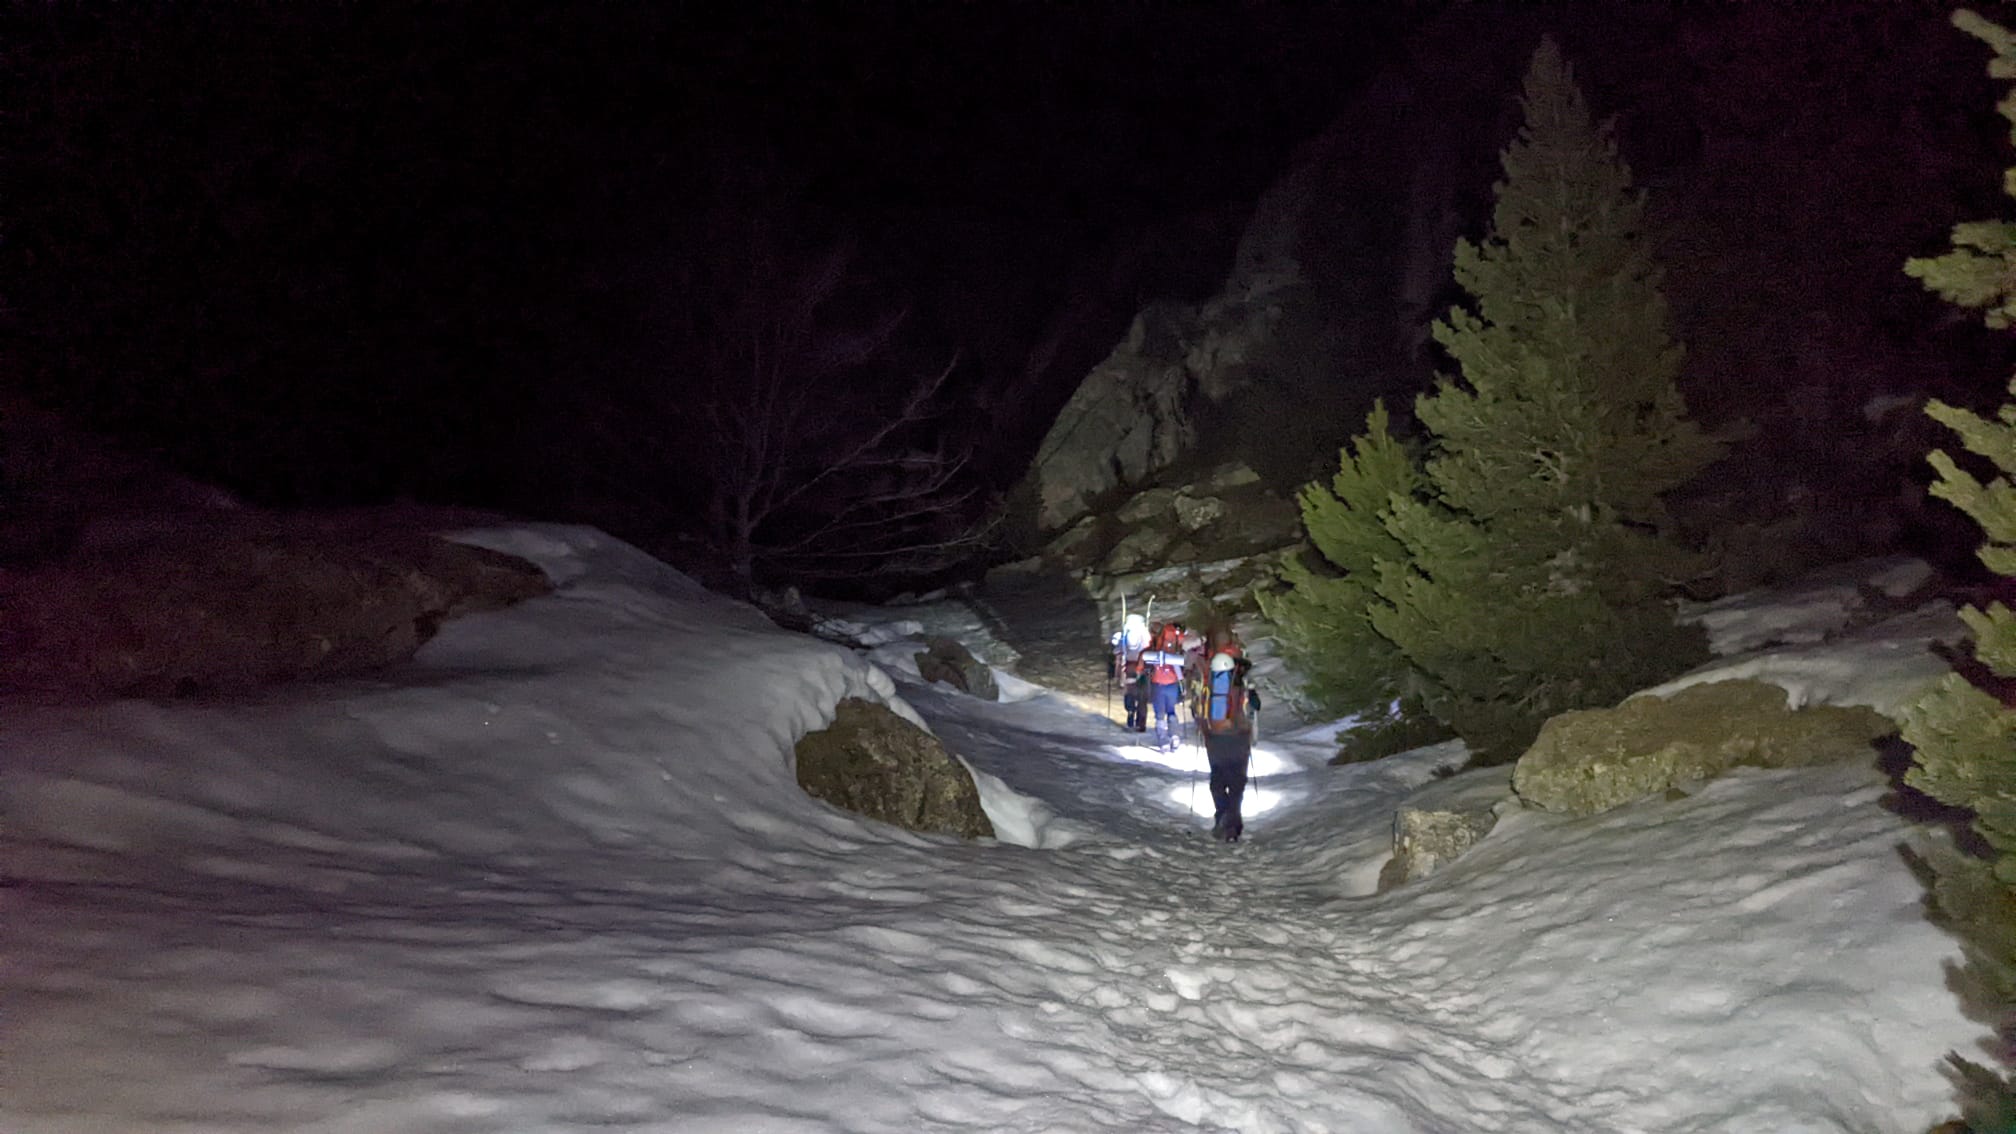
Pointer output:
x,y
1425,841
876,764
949,661
1592,760
1194,512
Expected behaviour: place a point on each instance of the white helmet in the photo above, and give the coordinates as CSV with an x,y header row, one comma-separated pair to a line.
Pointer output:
x,y
1221,663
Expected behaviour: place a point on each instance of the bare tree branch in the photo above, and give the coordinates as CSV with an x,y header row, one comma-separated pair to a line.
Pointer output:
x,y
795,432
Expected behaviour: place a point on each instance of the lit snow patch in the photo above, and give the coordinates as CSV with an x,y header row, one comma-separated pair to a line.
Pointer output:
x,y
1190,758
1268,763
1186,758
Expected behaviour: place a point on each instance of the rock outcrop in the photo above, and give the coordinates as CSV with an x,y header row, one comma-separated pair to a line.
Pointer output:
x,y
1223,513
876,764
1326,304
1593,760
1345,264
1129,419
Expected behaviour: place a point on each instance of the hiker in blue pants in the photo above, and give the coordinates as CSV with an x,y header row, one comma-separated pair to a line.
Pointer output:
x,y
1164,661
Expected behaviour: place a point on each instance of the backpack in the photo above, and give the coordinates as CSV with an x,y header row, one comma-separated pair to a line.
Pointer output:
x,y
1223,702
1167,643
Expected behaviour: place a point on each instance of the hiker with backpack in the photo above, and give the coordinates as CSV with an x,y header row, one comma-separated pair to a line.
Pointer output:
x,y
1227,710
1163,660
1125,664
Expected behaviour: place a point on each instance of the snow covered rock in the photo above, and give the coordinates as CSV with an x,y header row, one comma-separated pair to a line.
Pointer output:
x,y
1425,841
241,604
875,763
1587,762
949,661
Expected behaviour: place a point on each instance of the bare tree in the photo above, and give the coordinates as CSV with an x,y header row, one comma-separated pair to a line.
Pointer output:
x,y
809,448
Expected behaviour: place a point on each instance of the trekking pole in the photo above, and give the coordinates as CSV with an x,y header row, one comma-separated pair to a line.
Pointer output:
x,y
1113,656
1194,755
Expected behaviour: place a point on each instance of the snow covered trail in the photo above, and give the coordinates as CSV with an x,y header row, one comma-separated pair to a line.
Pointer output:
x,y
557,877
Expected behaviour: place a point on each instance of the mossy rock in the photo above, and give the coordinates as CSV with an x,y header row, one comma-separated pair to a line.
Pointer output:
x,y
876,764
1592,760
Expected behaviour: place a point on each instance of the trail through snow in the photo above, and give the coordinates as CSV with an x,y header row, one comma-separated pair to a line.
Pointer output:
x,y
556,876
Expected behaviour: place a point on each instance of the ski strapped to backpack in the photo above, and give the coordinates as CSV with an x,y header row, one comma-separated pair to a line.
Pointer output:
x,y
1164,655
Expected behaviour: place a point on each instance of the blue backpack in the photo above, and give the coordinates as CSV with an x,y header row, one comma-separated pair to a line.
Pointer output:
x,y
1225,705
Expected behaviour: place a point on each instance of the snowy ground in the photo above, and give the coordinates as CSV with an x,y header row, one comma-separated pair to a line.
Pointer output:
x,y
555,876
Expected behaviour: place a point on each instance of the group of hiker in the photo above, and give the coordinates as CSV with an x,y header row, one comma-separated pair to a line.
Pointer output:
x,y
1166,669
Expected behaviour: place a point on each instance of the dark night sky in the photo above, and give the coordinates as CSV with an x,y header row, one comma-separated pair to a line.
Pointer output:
x,y
334,251
338,253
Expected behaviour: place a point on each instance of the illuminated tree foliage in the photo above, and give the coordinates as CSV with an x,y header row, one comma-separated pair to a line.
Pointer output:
x,y
1521,570
1324,615
1965,737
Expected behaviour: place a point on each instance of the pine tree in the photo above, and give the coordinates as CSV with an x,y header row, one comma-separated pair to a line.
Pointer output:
x,y
1323,617
1965,738
1534,571
1520,571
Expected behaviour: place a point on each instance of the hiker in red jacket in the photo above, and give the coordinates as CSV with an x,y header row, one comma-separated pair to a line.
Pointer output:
x,y
1164,661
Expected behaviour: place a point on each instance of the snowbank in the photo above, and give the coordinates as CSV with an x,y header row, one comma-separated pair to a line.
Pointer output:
x,y
591,719
556,876
1804,640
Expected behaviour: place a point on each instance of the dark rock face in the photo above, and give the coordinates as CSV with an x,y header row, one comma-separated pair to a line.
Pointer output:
x,y
1590,761
876,764
239,604
1340,269
1129,419
951,662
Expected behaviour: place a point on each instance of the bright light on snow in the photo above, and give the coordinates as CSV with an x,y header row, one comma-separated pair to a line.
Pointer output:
x,y
1190,758
1266,762
557,875
1185,758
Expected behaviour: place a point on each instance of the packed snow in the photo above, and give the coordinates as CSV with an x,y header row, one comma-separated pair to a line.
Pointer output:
x,y
556,875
